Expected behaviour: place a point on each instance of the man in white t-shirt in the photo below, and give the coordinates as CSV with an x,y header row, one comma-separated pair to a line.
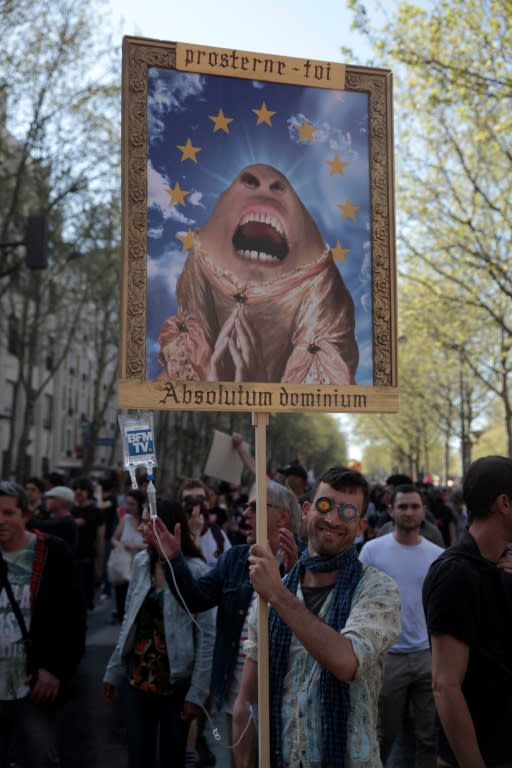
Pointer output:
x,y
406,556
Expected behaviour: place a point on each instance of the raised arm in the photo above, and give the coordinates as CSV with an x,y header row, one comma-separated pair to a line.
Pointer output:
x,y
198,594
248,461
331,649
449,665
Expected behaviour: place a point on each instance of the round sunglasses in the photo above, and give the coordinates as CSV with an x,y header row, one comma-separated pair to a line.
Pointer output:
x,y
347,512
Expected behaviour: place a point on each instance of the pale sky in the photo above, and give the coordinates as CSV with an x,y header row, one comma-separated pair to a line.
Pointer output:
x,y
303,28
315,29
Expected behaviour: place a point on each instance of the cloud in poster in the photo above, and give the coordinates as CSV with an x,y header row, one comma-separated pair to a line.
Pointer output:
x,y
158,197
342,143
325,133
169,94
155,233
166,269
195,198
293,122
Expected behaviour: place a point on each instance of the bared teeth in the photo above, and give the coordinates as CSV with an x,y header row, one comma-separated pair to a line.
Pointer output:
x,y
263,218
258,256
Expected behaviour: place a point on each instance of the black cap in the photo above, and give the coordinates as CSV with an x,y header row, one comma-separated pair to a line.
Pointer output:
x,y
395,480
294,469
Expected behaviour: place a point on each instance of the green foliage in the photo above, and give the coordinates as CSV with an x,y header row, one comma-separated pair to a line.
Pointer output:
x,y
59,155
313,438
60,90
453,106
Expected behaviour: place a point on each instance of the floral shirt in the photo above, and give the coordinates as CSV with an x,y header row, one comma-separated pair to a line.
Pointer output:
x,y
372,626
188,638
149,663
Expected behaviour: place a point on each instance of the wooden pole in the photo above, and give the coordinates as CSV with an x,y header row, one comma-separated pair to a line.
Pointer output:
x,y
260,422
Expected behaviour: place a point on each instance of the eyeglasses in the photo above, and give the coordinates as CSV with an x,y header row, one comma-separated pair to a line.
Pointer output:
x,y
347,512
252,506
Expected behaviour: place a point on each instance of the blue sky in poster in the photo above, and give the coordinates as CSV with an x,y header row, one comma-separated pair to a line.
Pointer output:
x,y
179,108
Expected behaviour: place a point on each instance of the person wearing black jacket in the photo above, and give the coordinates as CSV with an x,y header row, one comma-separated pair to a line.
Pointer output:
x,y
467,597
38,648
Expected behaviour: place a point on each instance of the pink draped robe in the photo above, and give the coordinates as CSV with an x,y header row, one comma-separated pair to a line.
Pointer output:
x,y
302,322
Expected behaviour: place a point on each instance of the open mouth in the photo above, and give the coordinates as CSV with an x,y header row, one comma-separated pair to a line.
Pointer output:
x,y
260,237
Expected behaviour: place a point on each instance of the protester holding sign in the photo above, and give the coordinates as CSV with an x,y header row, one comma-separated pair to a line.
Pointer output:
x,y
227,585
331,622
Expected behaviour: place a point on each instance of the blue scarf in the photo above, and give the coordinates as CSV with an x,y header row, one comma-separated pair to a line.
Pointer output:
x,y
334,694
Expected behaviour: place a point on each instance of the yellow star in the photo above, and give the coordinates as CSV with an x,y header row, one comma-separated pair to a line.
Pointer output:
x,y
339,253
187,240
337,166
306,131
220,122
264,114
177,194
348,210
188,151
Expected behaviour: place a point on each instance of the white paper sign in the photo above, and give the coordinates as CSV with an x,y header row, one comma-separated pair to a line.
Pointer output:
x,y
223,461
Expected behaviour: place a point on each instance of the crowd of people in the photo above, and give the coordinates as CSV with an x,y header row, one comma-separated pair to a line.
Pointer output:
x,y
389,617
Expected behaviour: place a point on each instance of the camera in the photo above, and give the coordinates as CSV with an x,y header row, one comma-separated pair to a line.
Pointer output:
x,y
189,502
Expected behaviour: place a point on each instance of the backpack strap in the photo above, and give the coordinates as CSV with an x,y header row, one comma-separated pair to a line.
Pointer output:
x,y
37,567
5,584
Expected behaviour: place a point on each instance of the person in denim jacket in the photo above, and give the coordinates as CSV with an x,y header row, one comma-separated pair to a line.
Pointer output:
x,y
227,587
164,654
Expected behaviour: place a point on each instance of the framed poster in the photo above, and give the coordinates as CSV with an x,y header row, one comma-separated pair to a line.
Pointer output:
x,y
258,232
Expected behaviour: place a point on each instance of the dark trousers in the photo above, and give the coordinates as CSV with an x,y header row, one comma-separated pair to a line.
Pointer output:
x,y
408,677
87,577
25,730
121,590
155,733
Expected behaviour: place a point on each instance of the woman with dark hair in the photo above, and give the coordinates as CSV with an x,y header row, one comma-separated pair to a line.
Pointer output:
x,y
164,654
127,535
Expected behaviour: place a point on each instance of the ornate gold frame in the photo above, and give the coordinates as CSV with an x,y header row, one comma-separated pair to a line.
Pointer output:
x,y
134,390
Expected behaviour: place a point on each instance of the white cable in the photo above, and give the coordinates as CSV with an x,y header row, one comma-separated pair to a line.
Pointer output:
x,y
214,730
183,603
246,726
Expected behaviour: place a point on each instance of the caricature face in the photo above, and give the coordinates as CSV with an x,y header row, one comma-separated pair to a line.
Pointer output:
x,y
259,228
